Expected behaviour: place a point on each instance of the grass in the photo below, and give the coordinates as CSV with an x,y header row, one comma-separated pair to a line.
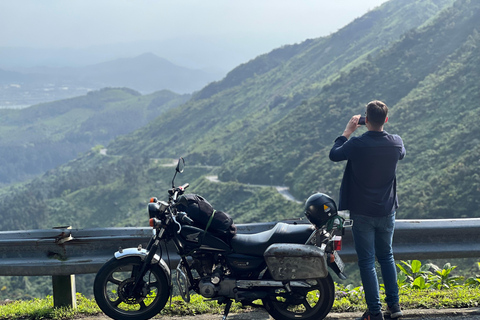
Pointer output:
x,y
346,301
459,297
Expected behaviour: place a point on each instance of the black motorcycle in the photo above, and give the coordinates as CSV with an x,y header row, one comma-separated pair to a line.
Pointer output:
x,y
285,267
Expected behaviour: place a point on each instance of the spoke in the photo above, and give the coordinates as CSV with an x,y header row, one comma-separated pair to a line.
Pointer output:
x,y
307,305
117,302
142,305
153,285
113,280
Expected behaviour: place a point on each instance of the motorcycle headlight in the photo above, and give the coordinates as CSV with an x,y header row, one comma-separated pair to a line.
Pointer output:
x,y
156,209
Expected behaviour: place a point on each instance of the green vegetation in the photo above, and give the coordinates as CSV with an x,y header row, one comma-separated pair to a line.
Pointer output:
x,y
348,299
271,121
41,137
415,275
432,108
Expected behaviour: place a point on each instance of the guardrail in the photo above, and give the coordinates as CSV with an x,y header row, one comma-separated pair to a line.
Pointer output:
x,y
64,252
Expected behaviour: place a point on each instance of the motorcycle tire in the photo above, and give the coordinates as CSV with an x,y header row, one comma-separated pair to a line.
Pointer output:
x,y
312,303
113,284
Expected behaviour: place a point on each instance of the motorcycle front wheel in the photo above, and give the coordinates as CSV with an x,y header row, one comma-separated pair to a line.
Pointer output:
x,y
115,295
313,303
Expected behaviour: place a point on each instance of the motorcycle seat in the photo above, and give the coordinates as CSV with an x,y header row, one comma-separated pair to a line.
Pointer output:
x,y
255,244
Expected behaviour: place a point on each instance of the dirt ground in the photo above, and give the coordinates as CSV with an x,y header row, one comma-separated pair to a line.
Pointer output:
x,y
260,314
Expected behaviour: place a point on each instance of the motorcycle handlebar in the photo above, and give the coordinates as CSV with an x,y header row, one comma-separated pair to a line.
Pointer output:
x,y
184,218
178,191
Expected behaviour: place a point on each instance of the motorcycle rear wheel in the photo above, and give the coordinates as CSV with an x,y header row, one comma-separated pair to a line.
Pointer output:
x,y
312,303
113,284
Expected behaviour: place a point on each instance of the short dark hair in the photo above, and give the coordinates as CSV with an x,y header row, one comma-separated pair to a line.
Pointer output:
x,y
377,112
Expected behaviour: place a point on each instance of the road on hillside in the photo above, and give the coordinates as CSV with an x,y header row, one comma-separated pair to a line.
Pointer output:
x,y
284,191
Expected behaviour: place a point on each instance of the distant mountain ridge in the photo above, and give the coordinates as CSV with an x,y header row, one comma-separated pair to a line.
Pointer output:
x,y
145,73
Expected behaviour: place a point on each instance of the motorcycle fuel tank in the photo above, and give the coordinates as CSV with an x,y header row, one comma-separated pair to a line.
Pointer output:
x,y
287,261
197,238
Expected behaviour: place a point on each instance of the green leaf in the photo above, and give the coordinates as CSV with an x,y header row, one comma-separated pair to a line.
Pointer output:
x,y
416,265
419,283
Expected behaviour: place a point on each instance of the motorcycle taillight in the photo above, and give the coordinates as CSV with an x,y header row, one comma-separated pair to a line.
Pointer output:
x,y
337,243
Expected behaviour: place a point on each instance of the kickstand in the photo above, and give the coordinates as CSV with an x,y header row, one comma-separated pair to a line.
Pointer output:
x,y
227,309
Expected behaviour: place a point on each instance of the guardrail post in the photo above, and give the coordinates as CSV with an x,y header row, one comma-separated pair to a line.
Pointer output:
x,y
64,291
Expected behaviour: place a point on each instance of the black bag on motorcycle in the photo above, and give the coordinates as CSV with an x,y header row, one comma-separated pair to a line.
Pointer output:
x,y
201,211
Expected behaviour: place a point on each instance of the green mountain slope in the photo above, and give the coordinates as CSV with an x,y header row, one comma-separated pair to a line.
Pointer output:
x,y
274,119
220,119
38,138
430,81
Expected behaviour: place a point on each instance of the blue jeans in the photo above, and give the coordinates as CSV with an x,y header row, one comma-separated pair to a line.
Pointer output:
x,y
373,236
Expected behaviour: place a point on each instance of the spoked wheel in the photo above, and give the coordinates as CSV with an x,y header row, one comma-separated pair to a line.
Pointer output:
x,y
310,303
115,295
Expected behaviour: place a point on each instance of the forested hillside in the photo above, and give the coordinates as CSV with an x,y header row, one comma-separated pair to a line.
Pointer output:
x,y
429,78
273,120
221,119
41,137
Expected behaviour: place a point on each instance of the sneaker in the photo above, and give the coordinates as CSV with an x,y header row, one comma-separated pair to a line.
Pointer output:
x,y
370,316
394,311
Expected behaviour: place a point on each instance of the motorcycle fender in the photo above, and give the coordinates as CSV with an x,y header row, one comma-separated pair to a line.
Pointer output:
x,y
142,254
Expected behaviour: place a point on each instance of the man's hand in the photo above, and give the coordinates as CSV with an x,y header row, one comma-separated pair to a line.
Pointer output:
x,y
352,125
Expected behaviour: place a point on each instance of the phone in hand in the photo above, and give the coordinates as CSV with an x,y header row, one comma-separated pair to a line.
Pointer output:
x,y
361,121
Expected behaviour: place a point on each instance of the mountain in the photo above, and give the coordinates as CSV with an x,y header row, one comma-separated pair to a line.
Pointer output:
x,y
145,73
272,120
429,79
7,77
41,137
261,92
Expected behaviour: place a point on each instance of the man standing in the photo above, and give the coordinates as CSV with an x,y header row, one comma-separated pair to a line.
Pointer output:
x,y
368,190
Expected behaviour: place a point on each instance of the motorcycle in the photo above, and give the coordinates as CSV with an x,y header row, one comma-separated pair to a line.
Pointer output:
x,y
285,267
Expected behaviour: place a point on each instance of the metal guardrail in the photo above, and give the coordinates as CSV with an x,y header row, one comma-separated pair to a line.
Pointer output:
x,y
65,251
62,252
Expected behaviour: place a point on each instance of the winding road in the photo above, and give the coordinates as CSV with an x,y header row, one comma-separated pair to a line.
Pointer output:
x,y
284,191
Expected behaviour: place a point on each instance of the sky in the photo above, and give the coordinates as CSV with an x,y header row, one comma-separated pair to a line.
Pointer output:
x,y
245,27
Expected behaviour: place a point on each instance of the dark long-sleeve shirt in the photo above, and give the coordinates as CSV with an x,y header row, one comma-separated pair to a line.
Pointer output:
x,y
369,182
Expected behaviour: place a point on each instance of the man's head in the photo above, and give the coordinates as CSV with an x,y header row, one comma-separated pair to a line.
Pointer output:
x,y
377,114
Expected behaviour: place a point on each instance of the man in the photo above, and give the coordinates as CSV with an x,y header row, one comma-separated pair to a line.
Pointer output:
x,y
368,191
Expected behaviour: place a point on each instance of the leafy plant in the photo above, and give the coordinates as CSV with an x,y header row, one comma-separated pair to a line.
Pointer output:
x,y
429,276
474,281
442,278
413,274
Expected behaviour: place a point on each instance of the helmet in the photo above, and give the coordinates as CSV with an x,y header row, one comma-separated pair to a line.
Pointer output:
x,y
319,208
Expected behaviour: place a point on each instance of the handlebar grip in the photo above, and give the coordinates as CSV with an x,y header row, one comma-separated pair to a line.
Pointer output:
x,y
184,218
187,220
185,186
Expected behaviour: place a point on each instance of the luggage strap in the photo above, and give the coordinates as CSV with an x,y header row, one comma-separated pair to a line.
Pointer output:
x,y
208,225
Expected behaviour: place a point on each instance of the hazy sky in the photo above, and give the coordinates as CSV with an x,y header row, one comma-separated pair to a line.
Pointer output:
x,y
260,25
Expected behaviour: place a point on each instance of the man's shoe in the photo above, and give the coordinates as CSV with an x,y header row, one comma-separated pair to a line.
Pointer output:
x,y
370,316
394,311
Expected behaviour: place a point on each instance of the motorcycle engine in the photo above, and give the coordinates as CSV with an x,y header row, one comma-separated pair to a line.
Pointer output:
x,y
207,288
224,287
211,270
203,263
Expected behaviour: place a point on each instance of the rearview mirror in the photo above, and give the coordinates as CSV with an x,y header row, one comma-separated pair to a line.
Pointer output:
x,y
180,165
178,169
